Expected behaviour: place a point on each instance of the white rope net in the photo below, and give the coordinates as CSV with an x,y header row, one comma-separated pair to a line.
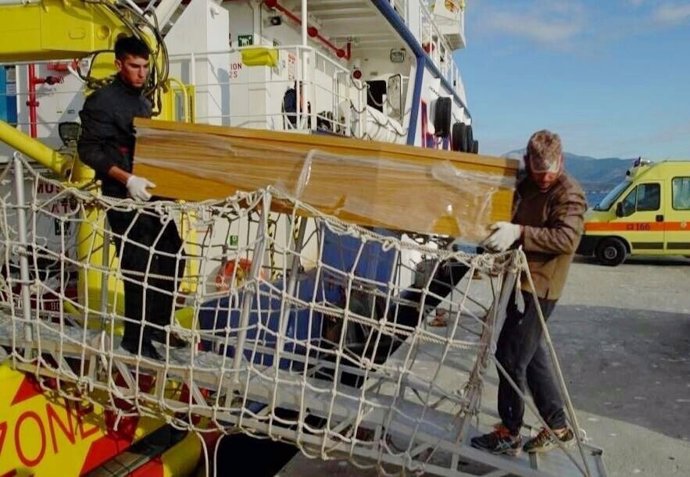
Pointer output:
x,y
297,326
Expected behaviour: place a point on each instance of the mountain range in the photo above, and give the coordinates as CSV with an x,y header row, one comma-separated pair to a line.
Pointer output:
x,y
594,175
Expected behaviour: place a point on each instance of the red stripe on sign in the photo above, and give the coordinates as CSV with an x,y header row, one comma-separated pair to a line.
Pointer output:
x,y
28,389
111,444
103,449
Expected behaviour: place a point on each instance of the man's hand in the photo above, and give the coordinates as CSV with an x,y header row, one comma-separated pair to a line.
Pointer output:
x,y
503,235
136,186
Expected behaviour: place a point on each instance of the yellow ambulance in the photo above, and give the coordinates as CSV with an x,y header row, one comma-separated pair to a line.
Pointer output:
x,y
646,214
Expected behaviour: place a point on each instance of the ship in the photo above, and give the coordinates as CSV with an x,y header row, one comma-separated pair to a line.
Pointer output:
x,y
320,161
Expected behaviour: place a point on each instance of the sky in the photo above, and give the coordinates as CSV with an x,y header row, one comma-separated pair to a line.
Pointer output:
x,y
611,77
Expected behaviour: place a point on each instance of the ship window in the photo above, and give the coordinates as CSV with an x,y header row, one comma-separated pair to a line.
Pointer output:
x,y
680,187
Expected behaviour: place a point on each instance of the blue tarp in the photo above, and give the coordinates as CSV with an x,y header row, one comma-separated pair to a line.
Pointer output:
x,y
304,324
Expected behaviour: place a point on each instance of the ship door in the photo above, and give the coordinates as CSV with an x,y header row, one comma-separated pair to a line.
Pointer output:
x,y
376,94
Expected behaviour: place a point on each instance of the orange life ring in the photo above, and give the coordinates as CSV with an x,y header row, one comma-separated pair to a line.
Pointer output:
x,y
227,276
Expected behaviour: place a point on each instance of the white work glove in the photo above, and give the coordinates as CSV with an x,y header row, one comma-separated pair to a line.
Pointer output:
x,y
136,186
503,235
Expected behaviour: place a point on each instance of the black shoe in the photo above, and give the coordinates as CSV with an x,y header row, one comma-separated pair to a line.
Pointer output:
x,y
544,442
160,336
500,441
147,350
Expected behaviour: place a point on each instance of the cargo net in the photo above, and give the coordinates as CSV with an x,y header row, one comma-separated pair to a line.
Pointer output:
x,y
256,314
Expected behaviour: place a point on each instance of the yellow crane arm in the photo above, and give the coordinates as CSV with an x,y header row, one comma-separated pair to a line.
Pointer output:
x,y
41,30
53,30
56,29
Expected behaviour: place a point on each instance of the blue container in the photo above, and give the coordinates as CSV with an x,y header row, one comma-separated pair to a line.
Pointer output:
x,y
342,252
304,324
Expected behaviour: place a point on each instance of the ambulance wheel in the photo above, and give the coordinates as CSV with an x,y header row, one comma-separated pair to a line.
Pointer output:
x,y
611,252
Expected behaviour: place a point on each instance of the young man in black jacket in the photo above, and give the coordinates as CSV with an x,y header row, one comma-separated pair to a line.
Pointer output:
x,y
147,244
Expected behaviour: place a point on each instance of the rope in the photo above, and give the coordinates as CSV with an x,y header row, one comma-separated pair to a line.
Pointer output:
x,y
334,355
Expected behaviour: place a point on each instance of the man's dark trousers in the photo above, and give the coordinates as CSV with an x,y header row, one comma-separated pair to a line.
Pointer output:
x,y
150,250
522,352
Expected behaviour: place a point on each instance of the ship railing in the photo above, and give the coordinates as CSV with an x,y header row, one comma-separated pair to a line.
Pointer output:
x,y
61,99
326,87
225,91
437,47
233,91
400,6
418,14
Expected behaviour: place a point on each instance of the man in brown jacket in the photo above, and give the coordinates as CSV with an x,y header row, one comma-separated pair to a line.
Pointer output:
x,y
547,222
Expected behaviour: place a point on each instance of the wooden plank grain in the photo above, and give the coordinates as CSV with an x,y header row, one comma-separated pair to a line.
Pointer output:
x,y
365,182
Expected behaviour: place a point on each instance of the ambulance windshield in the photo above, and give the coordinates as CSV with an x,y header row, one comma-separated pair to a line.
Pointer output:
x,y
607,202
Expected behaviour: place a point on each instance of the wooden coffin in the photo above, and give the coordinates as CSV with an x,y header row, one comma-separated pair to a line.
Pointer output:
x,y
365,182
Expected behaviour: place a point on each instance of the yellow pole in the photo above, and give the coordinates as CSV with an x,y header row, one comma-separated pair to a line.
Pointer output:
x,y
32,148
